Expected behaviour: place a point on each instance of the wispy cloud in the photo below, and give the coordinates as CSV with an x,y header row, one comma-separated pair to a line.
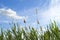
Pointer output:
x,y
10,13
52,12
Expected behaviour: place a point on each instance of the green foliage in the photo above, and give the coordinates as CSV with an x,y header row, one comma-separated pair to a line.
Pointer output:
x,y
17,33
33,34
1,35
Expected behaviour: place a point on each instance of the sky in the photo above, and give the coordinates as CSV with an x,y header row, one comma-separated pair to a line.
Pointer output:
x,y
18,10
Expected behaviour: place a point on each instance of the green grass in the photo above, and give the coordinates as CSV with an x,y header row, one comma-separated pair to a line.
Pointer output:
x,y
18,33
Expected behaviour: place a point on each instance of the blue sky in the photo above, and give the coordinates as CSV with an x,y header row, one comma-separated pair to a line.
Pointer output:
x,y
22,4
17,10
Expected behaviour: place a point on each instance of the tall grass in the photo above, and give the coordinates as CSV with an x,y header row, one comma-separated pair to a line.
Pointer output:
x,y
52,33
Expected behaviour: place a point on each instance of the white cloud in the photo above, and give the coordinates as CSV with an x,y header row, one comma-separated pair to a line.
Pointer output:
x,y
10,13
53,11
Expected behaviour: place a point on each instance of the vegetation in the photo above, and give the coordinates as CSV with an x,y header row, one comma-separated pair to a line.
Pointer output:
x,y
27,33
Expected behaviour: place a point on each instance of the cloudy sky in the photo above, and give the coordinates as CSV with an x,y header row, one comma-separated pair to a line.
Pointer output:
x,y
18,10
